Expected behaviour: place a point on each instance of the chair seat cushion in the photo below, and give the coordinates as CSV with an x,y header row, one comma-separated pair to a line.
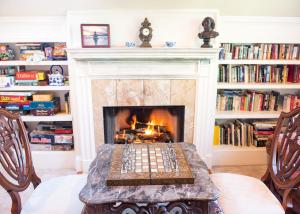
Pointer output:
x,y
57,196
245,195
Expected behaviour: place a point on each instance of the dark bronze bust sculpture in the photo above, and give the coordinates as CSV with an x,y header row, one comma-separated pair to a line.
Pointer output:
x,y
209,25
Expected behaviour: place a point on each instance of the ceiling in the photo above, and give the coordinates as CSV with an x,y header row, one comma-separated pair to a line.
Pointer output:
x,y
226,7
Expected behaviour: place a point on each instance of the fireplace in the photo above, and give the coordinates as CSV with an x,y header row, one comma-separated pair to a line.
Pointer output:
x,y
143,124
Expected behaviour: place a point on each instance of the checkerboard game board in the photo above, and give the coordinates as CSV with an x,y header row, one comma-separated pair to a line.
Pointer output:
x,y
141,164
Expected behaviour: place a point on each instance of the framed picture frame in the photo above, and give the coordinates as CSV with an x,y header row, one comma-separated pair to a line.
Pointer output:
x,y
95,35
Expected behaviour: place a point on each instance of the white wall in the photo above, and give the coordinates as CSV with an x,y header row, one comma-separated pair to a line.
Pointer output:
x,y
32,29
226,7
181,26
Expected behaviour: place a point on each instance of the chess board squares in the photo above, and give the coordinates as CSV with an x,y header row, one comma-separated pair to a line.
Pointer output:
x,y
141,161
156,162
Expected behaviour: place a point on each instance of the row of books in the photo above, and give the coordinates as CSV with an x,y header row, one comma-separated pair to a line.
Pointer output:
x,y
243,133
254,101
52,136
260,51
259,73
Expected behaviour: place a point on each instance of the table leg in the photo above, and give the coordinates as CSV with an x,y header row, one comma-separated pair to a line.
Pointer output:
x,y
95,209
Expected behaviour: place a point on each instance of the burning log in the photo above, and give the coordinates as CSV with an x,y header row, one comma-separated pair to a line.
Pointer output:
x,y
143,133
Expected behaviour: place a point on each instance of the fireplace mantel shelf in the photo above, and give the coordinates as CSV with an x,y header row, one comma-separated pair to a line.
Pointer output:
x,y
100,54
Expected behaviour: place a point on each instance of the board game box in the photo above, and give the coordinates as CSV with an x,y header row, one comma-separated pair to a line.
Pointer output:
x,y
149,164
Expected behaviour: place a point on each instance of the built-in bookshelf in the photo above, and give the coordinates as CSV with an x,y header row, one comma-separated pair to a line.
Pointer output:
x,y
32,59
256,81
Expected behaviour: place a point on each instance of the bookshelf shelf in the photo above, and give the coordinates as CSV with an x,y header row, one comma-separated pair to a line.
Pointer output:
x,y
246,115
20,62
231,148
59,159
258,62
57,117
259,86
36,88
233,155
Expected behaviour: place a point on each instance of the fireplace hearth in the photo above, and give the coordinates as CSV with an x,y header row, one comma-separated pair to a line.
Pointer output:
x,y
143,124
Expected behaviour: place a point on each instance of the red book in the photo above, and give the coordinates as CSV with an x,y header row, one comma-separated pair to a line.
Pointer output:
x,y
297,69
292,102
273,52
260,102
63,131
290,70
26,75
264,132
242,103
18,103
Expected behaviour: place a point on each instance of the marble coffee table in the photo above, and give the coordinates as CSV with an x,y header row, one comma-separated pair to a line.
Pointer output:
x,y
200,197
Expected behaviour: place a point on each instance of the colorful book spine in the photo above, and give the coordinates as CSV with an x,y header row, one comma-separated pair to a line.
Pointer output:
x,y
11,98
261,51
26,75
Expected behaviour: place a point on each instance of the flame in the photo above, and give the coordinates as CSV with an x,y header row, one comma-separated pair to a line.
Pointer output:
x,y
150,127
133,122
148,131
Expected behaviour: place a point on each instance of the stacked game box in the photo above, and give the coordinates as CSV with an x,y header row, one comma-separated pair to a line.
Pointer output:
x,y
54,136
16,101
44,104
30,78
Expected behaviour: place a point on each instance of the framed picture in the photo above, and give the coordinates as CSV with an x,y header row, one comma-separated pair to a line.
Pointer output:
x,y
95,35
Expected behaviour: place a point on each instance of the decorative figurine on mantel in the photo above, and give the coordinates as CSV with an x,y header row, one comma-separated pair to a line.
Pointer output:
x,y
209,25
145,34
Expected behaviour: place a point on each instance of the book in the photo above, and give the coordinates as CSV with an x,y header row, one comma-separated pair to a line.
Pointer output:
x,y
17,93
255,101
217,135
259,74
43,97
28,75
244,132
260,51
45,104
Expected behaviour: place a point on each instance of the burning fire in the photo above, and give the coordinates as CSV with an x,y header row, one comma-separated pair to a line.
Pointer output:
x,y
159,128
133,122
150,127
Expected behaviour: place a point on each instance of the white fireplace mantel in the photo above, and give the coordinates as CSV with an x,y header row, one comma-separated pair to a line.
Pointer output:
x,y
89,64
89,54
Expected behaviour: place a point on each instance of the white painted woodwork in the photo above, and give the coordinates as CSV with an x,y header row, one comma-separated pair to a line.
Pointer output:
x,y
53,159
259,86
259,62
36,88
87,65
57,117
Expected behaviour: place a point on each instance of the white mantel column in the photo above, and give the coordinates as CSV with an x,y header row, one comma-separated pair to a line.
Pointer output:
x,y
205,108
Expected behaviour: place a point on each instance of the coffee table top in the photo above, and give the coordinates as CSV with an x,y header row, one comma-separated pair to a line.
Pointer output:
x,y
97,192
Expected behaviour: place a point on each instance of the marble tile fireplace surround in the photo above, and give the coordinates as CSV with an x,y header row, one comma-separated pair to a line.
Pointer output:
x,y
142,77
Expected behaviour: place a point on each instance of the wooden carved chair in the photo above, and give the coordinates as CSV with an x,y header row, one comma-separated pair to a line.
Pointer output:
x,y
279,190
59,195
283,174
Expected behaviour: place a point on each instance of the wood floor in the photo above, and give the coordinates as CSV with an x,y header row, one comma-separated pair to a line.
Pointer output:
x,y
5,203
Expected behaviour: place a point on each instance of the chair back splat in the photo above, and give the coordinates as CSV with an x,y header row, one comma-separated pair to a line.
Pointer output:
x,y
283,173
16,169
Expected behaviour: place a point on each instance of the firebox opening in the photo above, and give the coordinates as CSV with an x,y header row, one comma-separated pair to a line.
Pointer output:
x,y
143,124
